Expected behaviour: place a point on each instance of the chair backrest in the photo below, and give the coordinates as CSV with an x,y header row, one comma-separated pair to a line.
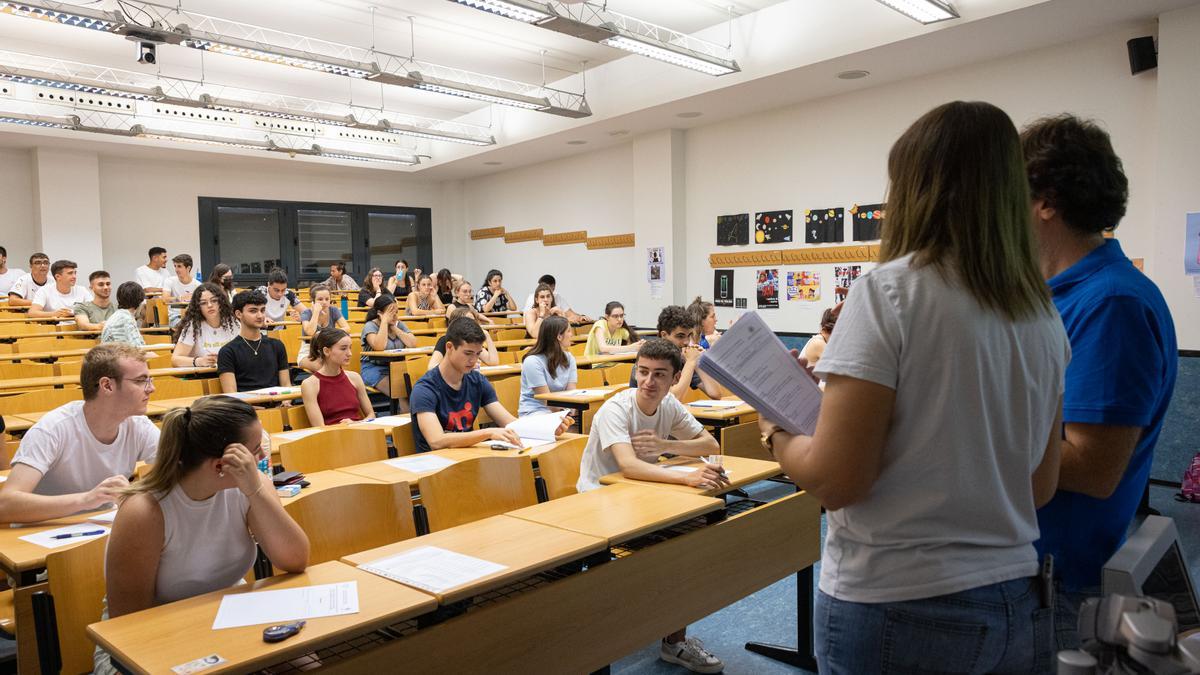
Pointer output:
x,y
156,338
41,400
333,449
559,467
174,387
437,322
590,377
427,340
506,357
20,327
291,336
578,348
618,373
416,365
694,395
24,369
296,417
334,520
743,440
73,366
508,392
51,344
510,334
271,418
76,581
477,488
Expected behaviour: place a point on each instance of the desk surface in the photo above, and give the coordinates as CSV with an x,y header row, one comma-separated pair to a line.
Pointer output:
x,y
522,546
742,471
323,480
20,556
399,353
67,353
382,471
567,397
21,422
618,513
157,639
59,380
720,414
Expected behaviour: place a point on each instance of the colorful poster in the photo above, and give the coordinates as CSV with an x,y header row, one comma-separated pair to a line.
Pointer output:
x,y
772,227
868,218
824,226
723,288
804,285
1191,245
768,289
844,277
733,230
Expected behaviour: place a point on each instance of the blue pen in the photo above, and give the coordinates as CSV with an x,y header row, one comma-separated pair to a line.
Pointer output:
x,y
72,535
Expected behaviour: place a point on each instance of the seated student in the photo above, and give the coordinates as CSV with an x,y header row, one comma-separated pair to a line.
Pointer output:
x,y
559,301
400,284
25,287
222,276
334,395
372,287
815,347
91,314
543,307
252,360
192,524
153,276
282,303
629,433
704,313
381,332
675,324
58,299
77,456
179,287
463,299
338,279
490,356
548,367
611,335
207,326
447,399
445,285
324,314
122,326
8,275
424,301
492,296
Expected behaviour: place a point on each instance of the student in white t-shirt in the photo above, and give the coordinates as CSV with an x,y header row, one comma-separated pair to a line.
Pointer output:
x,y
25,287
629,433
59,299
208,326
940,427
153,276
179,287
559,301
78,456
8,275
282,304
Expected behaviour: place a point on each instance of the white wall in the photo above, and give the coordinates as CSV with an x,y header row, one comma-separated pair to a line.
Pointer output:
x,y
16,206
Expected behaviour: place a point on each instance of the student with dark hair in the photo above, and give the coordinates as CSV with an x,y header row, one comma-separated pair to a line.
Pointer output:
x,y
179,287
282,303
77,456
447,399
677,325
704,313
492,296
324,314
8,275
559,301
209,324
490,356
463,299
222,276
815,347
630,432
252,360
153,276
122,326
194,523
26,286
372,287
612,335
91,314
334,395
381,332
1124,356
548,367
542,309
424,300
59,299
400,283
338,279
445,286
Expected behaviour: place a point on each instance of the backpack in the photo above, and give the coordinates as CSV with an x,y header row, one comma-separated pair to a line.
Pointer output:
x,y
1189,489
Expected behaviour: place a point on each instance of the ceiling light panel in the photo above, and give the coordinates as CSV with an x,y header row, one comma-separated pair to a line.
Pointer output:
x,y
666,55
68,15
923,11
527,12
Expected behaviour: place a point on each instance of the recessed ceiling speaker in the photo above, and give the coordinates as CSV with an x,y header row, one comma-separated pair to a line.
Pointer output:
x,y
1142,55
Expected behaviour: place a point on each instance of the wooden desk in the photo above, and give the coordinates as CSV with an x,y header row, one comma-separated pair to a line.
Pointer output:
x,y
19,558
161,406
382,471
60,380
580,403
618,513
67,353
718,418
323,480
581,361
157,639
742,471
484,449
494,372
398,354
76,333
28,319
523,546
20,423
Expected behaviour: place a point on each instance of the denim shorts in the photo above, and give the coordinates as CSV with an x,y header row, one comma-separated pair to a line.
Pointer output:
x,y
1000,628
373,372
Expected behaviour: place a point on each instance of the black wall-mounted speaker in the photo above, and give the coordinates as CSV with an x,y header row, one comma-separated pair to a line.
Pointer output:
x,y
1142,55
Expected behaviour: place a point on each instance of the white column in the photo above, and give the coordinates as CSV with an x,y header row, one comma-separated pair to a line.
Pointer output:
x,y
67,221
658,220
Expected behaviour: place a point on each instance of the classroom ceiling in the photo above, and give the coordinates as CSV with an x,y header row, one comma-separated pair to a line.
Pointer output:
x,y
788,50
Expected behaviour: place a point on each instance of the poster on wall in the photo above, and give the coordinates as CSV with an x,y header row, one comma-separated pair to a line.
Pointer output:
x,y
804,286
768,289
824,226
868,218
656,270
844,277
723,288
772,227
733,230
1191,245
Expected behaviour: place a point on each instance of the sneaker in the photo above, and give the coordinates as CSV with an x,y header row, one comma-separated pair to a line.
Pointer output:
x,y
691,655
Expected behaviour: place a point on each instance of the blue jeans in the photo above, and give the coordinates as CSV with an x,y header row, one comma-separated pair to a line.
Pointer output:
x,y
1066,615
373,372
1000,628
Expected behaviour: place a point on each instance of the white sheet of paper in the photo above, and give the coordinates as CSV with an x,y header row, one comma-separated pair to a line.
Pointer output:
x,y
287,604
3,478
586,392
537,429
716,404
242,395
104,517
420,463
387,421
487,369
271,391
47,540
433,569
297,434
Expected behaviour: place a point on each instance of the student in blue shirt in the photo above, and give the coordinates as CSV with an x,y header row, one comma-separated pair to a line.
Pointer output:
x,y
548,367
447,399
1123,355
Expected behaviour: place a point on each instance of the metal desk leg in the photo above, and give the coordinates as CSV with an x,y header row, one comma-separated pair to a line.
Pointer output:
x,y
803,656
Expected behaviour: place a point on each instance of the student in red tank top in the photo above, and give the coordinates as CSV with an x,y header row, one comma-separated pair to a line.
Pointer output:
x,y
334,395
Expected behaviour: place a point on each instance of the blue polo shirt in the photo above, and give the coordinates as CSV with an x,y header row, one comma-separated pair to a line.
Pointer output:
x,y
1122,373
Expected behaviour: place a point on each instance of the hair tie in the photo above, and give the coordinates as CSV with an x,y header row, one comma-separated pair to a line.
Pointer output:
x,y
187,415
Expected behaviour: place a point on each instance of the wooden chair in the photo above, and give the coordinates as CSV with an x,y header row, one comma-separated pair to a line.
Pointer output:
x,y
509,334
475,489
159,360
24,369
508,391
291,337
334,448
174,387
39,401
74,598
590,377
335,524
559,467
50,344
296,417
156,338
506,357
578,349
416,367
743,440
427,340
437,322
356,348
72,366
8,329
271,419
694,395
618,373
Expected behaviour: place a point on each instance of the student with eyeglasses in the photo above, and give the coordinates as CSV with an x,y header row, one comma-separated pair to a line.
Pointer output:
x,y
611,334
208,325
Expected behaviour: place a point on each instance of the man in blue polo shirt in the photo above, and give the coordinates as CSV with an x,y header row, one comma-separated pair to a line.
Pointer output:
x,y
1123,356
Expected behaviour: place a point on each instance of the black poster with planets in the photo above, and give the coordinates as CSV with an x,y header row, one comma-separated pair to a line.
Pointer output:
x,y
824,226
868,218
733,230
773,227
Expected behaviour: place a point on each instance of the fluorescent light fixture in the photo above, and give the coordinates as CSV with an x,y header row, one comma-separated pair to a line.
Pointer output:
x,y
45,121
83,17
229,105
433,135
284,56
924,11
313,150
366,157
475,93
203,139
708,66
73,84
520,10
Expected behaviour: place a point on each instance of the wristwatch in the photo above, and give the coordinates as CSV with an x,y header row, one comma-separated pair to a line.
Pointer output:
x,y
767,442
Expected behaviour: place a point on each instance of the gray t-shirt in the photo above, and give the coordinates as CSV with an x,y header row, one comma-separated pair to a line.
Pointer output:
x,y
95,314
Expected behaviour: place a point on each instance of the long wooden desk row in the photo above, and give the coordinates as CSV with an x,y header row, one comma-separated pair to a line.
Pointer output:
x,y
51,356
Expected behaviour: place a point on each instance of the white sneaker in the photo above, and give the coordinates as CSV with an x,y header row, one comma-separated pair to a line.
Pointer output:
x,y
691,655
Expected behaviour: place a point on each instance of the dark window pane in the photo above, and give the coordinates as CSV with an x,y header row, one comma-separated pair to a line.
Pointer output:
x,y
393,237
324,239
249,239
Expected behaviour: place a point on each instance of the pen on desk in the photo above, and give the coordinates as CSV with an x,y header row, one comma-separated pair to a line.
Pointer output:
x,y
72,535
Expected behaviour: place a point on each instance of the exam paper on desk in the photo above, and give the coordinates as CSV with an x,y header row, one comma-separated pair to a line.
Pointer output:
x,y
287,604
420,463
46,538
433,569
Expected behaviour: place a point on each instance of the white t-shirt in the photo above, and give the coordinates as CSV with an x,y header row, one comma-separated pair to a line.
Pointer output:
x,y
26,287
976,395
176,288
211,339
52,300
559,302
61,446
8,278
277,309
151,278
617,420
206,545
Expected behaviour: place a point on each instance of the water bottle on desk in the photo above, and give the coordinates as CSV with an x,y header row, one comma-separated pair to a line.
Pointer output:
x,y
264,464
345,308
